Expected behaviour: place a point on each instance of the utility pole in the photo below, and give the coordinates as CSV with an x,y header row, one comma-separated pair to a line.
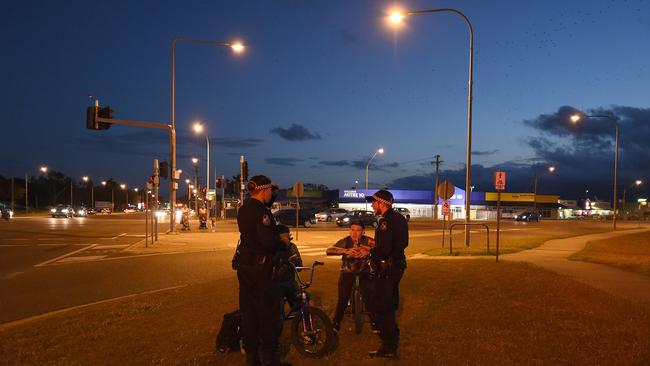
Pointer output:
x,y
241,180
435,189
71,201
156,181
223,197
12,195
26,195
535,194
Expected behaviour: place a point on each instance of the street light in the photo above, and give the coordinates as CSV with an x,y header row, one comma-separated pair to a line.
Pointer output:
x,y
237,48
577,117
550,169
198,129
92,190
379,151
123,186
396,18
636,183
43,169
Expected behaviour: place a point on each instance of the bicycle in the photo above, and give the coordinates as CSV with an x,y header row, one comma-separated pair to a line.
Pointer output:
x,y
356,304
312,332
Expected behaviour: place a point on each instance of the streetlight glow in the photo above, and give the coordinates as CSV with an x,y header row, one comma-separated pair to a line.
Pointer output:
x,y
551,169
396,17
638,182
123,186
44,169
187,181
237,47
575,118
85,179
135,189
104,183
198,128
195,160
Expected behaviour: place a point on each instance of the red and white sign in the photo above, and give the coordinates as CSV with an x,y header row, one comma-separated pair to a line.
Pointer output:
x,y
446,208
499,181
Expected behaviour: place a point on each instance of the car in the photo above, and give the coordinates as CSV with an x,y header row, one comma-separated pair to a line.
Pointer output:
x,y
62,211
81,212
331,214
367,218
288,217
404,211
5,212
528,216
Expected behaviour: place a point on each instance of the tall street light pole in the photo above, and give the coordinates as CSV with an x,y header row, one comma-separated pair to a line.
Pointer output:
x,y
198,128
237,48
195,161
577,117
379,151
92,190
123,186
551,169
396,18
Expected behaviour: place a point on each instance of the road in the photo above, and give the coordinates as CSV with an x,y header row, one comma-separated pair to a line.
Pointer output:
x,y
49,264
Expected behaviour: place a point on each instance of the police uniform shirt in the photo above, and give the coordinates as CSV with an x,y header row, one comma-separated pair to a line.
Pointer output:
x,y
352,264
258,231
391,236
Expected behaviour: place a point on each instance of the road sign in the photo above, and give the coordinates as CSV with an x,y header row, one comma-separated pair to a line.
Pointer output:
x,y
446,190
499,181
446,208
298,188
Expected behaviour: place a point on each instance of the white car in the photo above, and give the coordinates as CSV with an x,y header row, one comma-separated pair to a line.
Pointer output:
x,y
331,214
404,211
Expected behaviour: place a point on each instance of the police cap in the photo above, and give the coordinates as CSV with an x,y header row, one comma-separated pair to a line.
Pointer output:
x,y
381,195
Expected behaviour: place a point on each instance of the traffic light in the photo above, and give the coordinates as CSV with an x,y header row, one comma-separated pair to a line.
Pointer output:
x,y
92,113
164,168
244,169
217,183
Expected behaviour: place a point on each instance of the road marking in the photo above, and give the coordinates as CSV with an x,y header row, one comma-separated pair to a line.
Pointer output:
x,y
10,275
14,323
116,246
50,239
119,236
15,245
64,256
86,258
16,239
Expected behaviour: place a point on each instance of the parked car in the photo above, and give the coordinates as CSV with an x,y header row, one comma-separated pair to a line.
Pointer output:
x,y
368,218
81,212
528,216
62,211
5,212
331,214
404,211
288,217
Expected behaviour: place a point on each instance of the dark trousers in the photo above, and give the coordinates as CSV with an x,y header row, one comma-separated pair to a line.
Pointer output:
x,y
261,311
397,272
346,282
384,307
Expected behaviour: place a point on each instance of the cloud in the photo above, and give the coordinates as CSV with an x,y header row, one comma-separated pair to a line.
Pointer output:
x,y
485,153
349,37
335,163
358,164
283,161
295,132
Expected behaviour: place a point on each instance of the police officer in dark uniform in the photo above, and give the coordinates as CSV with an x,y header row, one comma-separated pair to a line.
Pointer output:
x,y
259,294
389,261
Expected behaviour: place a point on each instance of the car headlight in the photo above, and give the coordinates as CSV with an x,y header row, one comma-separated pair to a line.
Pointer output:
x,y
82,212
53,210
346,219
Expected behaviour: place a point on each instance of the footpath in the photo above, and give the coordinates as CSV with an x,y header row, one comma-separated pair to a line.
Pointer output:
x,y
553,255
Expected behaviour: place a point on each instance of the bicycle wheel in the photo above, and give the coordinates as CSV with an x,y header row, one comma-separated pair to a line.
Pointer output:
x,y
357,311
314,336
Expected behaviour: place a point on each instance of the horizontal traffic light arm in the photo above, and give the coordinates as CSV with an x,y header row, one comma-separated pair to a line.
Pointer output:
x,y
134,123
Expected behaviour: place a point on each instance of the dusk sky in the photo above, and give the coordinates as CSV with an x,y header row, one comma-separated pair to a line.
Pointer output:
x,y
323,84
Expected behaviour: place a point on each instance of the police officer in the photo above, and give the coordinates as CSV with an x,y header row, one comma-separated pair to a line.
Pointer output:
x,y
259,295
389,261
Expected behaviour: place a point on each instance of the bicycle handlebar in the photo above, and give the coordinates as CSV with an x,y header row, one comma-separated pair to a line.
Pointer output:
x,y
311,275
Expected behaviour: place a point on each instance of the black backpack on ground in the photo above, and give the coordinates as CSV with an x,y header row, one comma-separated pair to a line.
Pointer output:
x,y
229,334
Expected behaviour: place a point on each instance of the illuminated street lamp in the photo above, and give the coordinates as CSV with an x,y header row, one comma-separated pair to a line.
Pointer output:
x,y
237,48
43,169
636,184
379,151
550,169
86,179
198,129
123,186
396,18
575,118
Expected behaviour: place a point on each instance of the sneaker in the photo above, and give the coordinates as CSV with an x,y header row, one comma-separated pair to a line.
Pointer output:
x,y
383,353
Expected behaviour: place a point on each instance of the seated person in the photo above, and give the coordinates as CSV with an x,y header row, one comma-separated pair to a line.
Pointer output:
x,y
355,249
285,272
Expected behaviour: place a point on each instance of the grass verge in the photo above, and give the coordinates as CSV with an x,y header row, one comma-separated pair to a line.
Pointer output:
x,y
453,313
627,252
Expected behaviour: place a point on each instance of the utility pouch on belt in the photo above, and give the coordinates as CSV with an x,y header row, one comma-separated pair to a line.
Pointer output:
x,y
236,258
381,268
